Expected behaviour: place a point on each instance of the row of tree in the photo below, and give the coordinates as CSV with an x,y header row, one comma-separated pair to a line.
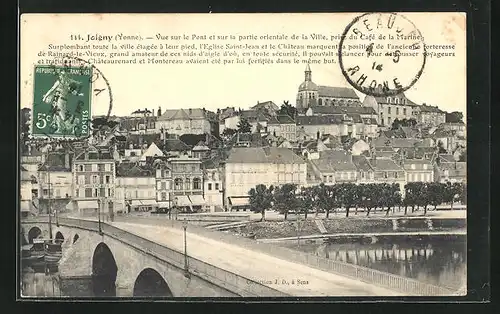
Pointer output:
x,y
329,198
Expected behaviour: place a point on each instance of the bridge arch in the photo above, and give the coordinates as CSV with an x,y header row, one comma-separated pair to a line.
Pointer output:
x,y
59,237
34,233
149,283
104,270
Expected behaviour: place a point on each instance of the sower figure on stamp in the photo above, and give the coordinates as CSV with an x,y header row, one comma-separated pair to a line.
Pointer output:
x,y
57,96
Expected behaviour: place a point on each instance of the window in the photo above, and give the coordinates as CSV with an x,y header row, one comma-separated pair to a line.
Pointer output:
x,y
404,111
110,192
397,110
389,110
187,184
137,194
95,192
396,100
330,178
81,179
45,192
163,196
196,183
193,168
108,179
101,167
386,175
389,100
362,174
164,185
217,186
95,179
80,168
94,168
389,120
132,154
178,184
324,178
107,167
88,192
396,174
446,172
88,167
210,186
413,166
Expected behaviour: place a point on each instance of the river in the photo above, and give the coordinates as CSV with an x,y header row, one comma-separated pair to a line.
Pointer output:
x,y
438,262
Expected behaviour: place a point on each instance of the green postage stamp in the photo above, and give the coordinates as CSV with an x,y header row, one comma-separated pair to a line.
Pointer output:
x,y
62,101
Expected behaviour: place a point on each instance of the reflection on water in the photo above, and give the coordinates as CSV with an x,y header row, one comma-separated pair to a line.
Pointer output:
x,y
39,280
437,262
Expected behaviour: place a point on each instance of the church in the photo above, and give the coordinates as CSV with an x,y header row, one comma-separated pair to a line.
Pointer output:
x,y
311,95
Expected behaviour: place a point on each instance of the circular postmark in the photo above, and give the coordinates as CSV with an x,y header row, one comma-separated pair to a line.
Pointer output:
x,y
66,94
382,54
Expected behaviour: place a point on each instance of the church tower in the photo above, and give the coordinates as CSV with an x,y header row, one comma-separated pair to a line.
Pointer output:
x,y
308,92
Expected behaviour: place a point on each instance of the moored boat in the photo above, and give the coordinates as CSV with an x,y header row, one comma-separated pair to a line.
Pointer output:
x,y
53,252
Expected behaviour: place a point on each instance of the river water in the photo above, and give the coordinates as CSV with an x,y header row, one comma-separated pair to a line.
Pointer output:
x,y
439,262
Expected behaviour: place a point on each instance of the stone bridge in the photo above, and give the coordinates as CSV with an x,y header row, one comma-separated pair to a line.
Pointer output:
x,y
115,263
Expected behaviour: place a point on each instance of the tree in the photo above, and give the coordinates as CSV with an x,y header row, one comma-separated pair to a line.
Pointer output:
x,y
261,198
423,195
244,126
285,198
396,124
392,196
322,197
436,191
454,117
451,192
229,132
288,109
308,199
347,196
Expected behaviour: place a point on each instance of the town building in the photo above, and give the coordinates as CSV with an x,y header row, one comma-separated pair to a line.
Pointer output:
x,y
431,115
94,175
365,171
391,108
213,185
55,182
163,177
187,178
335,166
184,121
317,126
310,94
201,150
284,126
448,169
247,167
266,106
418,170
386,170
26,196
458,127
135,188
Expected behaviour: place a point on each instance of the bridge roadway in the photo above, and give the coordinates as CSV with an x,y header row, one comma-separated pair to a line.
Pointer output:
x,y
269,270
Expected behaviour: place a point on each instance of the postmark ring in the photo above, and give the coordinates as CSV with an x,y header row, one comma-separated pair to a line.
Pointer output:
x,y
373,68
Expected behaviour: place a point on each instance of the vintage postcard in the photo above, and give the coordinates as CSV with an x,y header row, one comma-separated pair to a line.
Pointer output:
x,y
243,155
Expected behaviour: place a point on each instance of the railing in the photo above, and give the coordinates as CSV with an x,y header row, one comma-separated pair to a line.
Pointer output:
x,y
368,275
220,277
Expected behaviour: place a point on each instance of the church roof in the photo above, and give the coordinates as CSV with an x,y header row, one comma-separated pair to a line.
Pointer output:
x,y
342,109
183,114
337,92
308,86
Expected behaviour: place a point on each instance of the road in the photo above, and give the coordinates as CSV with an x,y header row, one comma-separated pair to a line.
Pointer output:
x,y
258,266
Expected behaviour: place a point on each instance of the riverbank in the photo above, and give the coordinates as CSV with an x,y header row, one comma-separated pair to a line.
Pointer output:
x,y
351,225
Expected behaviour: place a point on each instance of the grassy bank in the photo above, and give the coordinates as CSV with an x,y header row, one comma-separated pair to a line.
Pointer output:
x,y
282,229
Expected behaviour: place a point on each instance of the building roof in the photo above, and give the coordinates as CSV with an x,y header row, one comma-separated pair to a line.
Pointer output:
x,y
382,141
281,119
385,164
56,162
417,161
130,169
141,139
335,160
319,120
201,146
94,153
362,163
263,155
266,105
253,115
175,145
343,109
455,169
383,100
184,114
446,158
430,109
142,111
337,92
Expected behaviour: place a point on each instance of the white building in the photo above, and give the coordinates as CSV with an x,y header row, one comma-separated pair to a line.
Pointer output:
x,y
213,188
247,167
135,188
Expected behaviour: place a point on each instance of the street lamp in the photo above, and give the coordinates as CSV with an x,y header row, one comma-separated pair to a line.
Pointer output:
x,y
186,270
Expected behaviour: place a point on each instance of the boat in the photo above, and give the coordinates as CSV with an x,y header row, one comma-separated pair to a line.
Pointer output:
x,y
35,255
53,253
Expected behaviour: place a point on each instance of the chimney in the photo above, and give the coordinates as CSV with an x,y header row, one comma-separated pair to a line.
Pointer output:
x,y
159,111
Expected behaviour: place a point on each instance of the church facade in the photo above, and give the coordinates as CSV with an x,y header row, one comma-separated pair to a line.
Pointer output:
x,y
311,95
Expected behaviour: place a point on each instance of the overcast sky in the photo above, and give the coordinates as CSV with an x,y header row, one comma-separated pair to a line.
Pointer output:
x,y
443,82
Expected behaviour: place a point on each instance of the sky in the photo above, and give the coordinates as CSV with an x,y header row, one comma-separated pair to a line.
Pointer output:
x,y
443,82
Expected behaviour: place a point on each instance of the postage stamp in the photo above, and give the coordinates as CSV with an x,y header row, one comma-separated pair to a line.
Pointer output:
x,y
382,54
62,101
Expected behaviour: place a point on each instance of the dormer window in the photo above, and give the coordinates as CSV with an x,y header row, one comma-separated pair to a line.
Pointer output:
x,y
396,100
389,100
